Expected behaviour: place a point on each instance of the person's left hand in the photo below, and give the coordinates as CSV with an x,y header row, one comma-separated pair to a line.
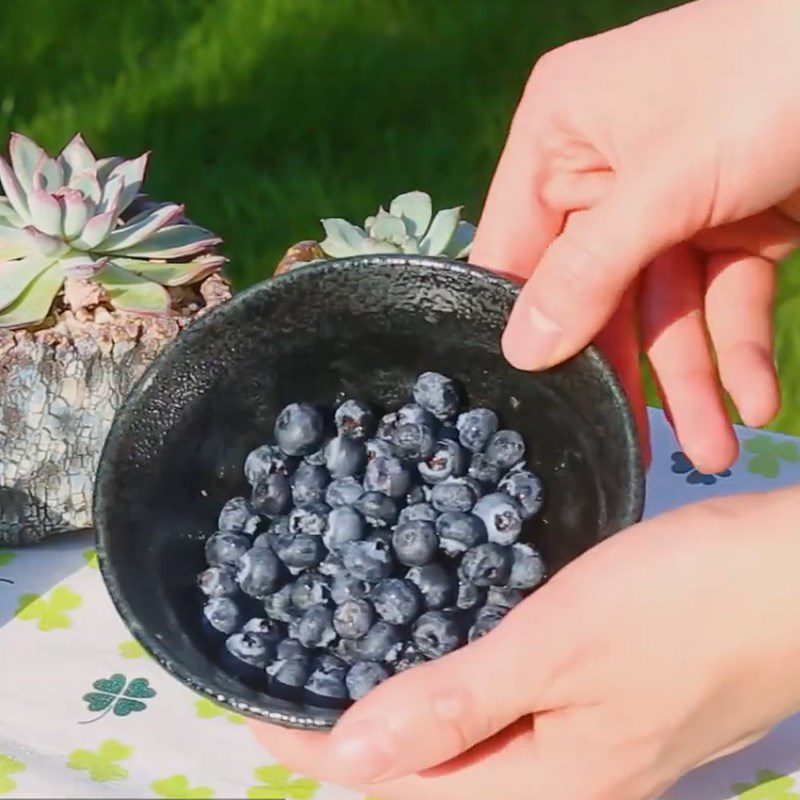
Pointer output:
x,y
658,650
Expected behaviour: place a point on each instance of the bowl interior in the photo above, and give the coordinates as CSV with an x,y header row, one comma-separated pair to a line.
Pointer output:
x,y
364,328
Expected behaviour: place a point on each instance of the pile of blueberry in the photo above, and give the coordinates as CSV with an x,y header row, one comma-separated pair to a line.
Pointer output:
x,y
389,543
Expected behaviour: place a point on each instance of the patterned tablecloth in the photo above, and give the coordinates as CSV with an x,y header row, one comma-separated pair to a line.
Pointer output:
x,y
85,713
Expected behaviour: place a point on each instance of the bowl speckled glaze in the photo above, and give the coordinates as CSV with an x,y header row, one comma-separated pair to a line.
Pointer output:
x,y
362,327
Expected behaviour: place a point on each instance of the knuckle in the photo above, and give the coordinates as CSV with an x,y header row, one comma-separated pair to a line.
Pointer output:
x,y
579,267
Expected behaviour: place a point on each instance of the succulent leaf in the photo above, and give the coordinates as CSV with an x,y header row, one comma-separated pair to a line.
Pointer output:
x,y
88,185
16,275
172,273
7,214
35,301
13,191
48,175
131,292
415,209
44,243
138,230
461,243
111,198
81,265
45,212
343,238
25,157
174,241
76,209
440,232
76,157
95,230
16,243
388,228
132,174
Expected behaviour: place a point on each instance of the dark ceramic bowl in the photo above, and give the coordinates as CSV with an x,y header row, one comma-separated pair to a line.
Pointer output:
x,y
364,327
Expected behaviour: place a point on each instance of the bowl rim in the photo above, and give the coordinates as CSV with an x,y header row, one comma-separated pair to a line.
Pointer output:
x,y
125,417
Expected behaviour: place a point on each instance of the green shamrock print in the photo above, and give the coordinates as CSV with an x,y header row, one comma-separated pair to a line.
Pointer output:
x,y
9,766
90,557
177,786
276,784
6,556
119,695
768,454
132,649
208,709
768,786
101,764
50,610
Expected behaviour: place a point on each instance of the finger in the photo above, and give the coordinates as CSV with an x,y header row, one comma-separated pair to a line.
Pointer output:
x,y
675,341
567,191
741,290
770,234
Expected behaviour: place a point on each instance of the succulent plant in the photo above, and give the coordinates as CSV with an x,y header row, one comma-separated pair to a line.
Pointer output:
x,y
83,217
409,226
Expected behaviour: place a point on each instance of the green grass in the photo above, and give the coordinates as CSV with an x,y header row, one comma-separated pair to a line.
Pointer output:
x,y
265,115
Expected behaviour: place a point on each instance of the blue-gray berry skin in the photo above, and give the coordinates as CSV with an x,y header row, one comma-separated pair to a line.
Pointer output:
x,y
314,628
267,628
299,550
345,457
414,440
264,540
382,642
346,587
454,494
310,589
332,566
312,520
251,648
378,509
380,448
410,656
437,394
327,688
448,460
309,484
415,414
238,516
353,618
505,449
387,475
355,420
488,618
469,596
222,614
397,601
527,489
328,662
260,573
437,584
437,633
483,471
224,549
299,429
348,650
459,531
291,648
364,676
345,524
415,542
272,496
289,673
501,516
476,427
278,606
527,567
418,511
417,494
265,461
487,565
218,582
368,560
504,597
387,425
343,492
317,458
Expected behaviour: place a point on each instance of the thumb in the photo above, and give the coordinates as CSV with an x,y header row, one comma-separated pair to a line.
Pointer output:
x,y
583,274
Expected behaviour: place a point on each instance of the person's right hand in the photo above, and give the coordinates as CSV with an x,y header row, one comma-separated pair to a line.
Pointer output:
x,y
662,158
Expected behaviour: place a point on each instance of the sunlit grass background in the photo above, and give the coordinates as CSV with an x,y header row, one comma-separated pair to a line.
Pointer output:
x,y
265,115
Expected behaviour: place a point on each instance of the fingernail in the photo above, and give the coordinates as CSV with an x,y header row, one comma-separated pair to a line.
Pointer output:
x,y
362,750
531,340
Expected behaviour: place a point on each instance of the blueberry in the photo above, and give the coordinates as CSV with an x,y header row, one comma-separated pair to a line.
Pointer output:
x,y
397,601
278,606
368,560
437,584
218,582
224,549
343,492
487,565
415,542
476,427
299,550
291,648
454,494
501,516
505,449
448,460
459,531
345,457
328,662
378,509
504,597
260,573
299,429
437,394
308,484
251,648
364,676
488,618
353,618
469,596
527,567
414,440
332,566
317,458
312,520
418,511
382,642
327,687
266,628
481,470
388,476
415,414
292,673
272,496
348,650
314,628
416,494
345,587
377,448
437,633
410,656
310,589
265,461
527,489
354,419
345,524
264,540
222,614
238,516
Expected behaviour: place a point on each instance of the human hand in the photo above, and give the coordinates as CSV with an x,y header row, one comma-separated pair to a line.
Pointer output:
x,y
672,142
659,649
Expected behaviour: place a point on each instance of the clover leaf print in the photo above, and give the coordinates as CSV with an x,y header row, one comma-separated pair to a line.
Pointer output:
x,y
50,610
682,466
101,764
9,766
768,453
119,695
768,786
131,649
208,709
90,557
177,786
277,784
